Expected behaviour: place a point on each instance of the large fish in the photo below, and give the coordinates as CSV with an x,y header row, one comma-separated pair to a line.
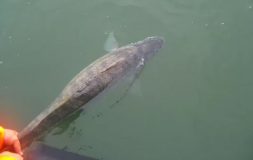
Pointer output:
x,y
91,81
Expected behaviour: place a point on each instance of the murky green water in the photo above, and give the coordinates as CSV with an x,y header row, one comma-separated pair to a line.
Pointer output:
x,y
196,95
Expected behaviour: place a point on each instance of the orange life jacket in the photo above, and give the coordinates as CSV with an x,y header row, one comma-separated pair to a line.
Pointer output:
x,y
1,137
7,158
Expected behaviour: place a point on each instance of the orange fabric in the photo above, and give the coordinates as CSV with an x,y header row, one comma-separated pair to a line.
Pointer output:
x,y
7,158
1,137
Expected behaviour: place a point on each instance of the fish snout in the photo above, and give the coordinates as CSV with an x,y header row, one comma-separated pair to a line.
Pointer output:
x,y
155,42
150,46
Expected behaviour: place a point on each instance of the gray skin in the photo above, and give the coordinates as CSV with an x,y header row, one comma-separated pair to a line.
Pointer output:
x,y
91,81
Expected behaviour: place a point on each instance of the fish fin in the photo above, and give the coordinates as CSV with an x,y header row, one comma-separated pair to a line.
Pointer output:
x,y
135,89
65,124
111,43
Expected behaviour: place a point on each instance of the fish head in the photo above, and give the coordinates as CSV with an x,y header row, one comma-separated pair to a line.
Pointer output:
x,y
148,47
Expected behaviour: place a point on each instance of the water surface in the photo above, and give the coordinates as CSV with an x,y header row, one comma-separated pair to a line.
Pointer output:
x,y
196,95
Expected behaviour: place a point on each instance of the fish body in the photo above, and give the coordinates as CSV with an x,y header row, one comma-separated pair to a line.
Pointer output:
x,y
91,81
